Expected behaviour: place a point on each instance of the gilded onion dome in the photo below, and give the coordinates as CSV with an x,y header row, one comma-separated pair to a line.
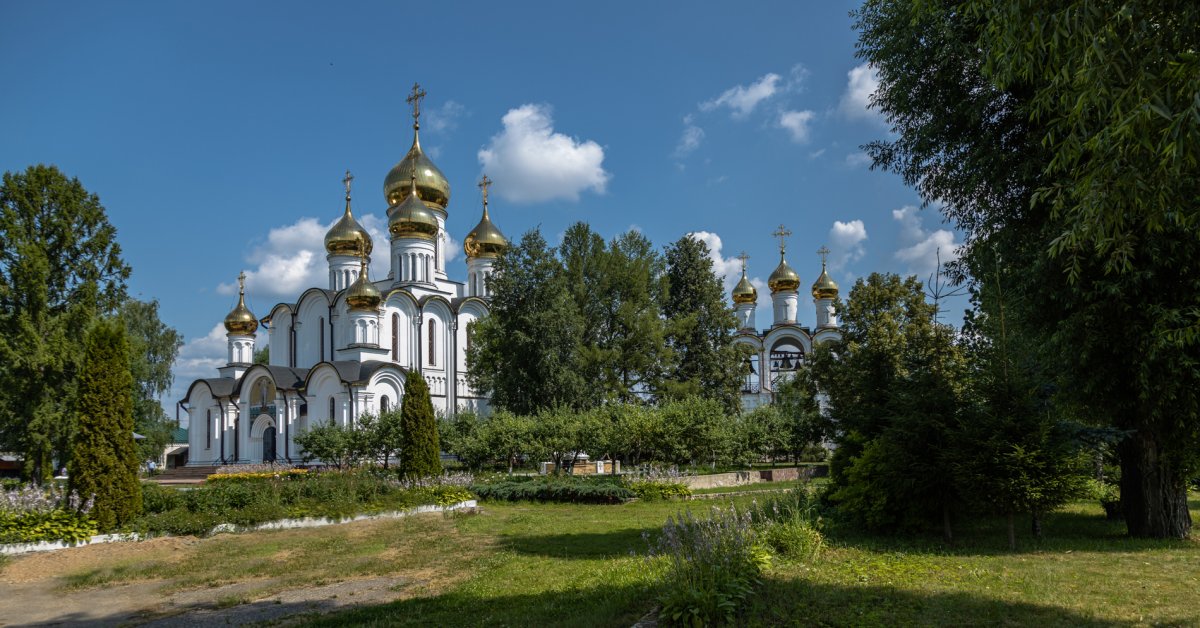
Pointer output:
x,y
744,291
485,240
240,320
824,287
412,219
783,278
430,183
362,295
347,237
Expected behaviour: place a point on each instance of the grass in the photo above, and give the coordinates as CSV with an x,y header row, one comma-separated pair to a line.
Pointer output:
x,y
563,564
757,487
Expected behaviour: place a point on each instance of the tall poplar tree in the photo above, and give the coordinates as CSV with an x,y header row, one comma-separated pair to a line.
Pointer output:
x,y
104,464
421,456
60,268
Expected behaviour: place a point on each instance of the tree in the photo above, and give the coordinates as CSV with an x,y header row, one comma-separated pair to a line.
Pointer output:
x,y
263,356
60,268
525,352
1061,138
422,455
153,347
105,461
796,401
509,436
330,443
700,328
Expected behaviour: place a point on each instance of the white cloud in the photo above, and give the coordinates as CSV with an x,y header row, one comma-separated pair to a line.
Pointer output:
x,y
816,153
444,118
691,139
531,163
293,259
858,160
798,124
922,246
861,84
741,100
846,242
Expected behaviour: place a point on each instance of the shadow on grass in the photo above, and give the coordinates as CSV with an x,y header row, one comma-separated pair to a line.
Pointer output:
x,y
581,545
802,603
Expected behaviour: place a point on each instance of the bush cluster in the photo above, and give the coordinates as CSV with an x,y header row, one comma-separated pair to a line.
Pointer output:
x,y
652,490
29,514
554,488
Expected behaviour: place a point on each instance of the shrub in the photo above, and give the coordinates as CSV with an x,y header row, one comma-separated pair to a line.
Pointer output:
x,y
794,539
157,498
180,522
34,526
421,456
652,490
565,489
711,567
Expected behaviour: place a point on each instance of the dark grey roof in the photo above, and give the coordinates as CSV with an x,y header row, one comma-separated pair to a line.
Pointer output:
x,y
219,386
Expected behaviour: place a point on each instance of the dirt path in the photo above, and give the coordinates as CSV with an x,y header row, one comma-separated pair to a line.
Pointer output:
x,y
34,588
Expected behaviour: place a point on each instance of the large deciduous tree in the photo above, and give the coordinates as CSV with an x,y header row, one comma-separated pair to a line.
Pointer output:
x,y
700,328
153,347
526,351
104,464
60,268
1061,137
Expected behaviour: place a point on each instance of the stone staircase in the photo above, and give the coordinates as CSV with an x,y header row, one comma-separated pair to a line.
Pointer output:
x,y
184,476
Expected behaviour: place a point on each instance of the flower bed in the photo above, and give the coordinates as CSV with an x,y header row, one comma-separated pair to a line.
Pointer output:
x,y
30,514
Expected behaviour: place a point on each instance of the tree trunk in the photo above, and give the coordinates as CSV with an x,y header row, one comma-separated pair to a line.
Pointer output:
x,y
1012,532
947,531
1036,524
1153,491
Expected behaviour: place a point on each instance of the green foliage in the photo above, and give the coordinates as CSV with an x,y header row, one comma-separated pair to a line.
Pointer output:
x,y
418,428
1060,138
57,525
330,443
554,488
700,328
60,268
652,490
153,347
157,498
794,540
105,460
525,352
712,566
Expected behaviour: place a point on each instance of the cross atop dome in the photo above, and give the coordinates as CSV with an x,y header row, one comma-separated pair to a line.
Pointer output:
x,y
242,283
743,257
346,182
484,184
414,99
782,233
824,253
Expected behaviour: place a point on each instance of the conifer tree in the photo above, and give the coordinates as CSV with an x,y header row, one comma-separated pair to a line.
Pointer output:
x,y
104,463
421,456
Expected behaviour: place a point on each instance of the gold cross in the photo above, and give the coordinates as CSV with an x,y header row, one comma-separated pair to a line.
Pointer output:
x,y
484,184
242,283
823,252
743,257
414,99
346,181
781,233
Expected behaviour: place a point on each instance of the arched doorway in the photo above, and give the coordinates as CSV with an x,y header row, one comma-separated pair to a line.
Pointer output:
x,y
268,453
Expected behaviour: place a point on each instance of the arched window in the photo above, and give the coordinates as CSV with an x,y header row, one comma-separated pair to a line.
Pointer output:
x,y
384,404
208,429
470,330
432,345
395,337
321,325
331,410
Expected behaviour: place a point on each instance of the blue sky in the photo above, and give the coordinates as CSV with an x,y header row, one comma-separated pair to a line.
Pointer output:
x,y
216,134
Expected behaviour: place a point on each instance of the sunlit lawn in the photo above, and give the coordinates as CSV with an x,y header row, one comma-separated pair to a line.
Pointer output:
x,y
559,565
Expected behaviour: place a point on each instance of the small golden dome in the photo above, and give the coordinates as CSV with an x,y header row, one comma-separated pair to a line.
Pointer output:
x,y
346,236
744,291
362,295
240,320
412,219
783,279
431,184
485,240
824,287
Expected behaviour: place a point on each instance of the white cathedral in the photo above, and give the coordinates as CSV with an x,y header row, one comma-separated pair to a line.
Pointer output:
x,y
343,350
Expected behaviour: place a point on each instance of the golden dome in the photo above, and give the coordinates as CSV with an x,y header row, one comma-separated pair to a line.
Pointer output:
x,y
744,291
346,236
824,287
783,279
431,184
485,240
412,219
362,295
240,320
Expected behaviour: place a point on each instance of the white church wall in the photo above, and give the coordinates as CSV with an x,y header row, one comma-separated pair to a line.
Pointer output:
x,y
387,382
312,327
278,335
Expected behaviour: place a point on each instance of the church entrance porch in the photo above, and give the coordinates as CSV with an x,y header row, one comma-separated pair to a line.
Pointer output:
x,y
268,448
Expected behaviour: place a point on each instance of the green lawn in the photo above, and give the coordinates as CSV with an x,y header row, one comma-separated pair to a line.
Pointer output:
x,y
529,564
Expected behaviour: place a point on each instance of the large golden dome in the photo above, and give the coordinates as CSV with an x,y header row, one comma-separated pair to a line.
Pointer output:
x,y
362,295
346,236
783,278
412,219
240,320
485,240
824,287
744,291
431,184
